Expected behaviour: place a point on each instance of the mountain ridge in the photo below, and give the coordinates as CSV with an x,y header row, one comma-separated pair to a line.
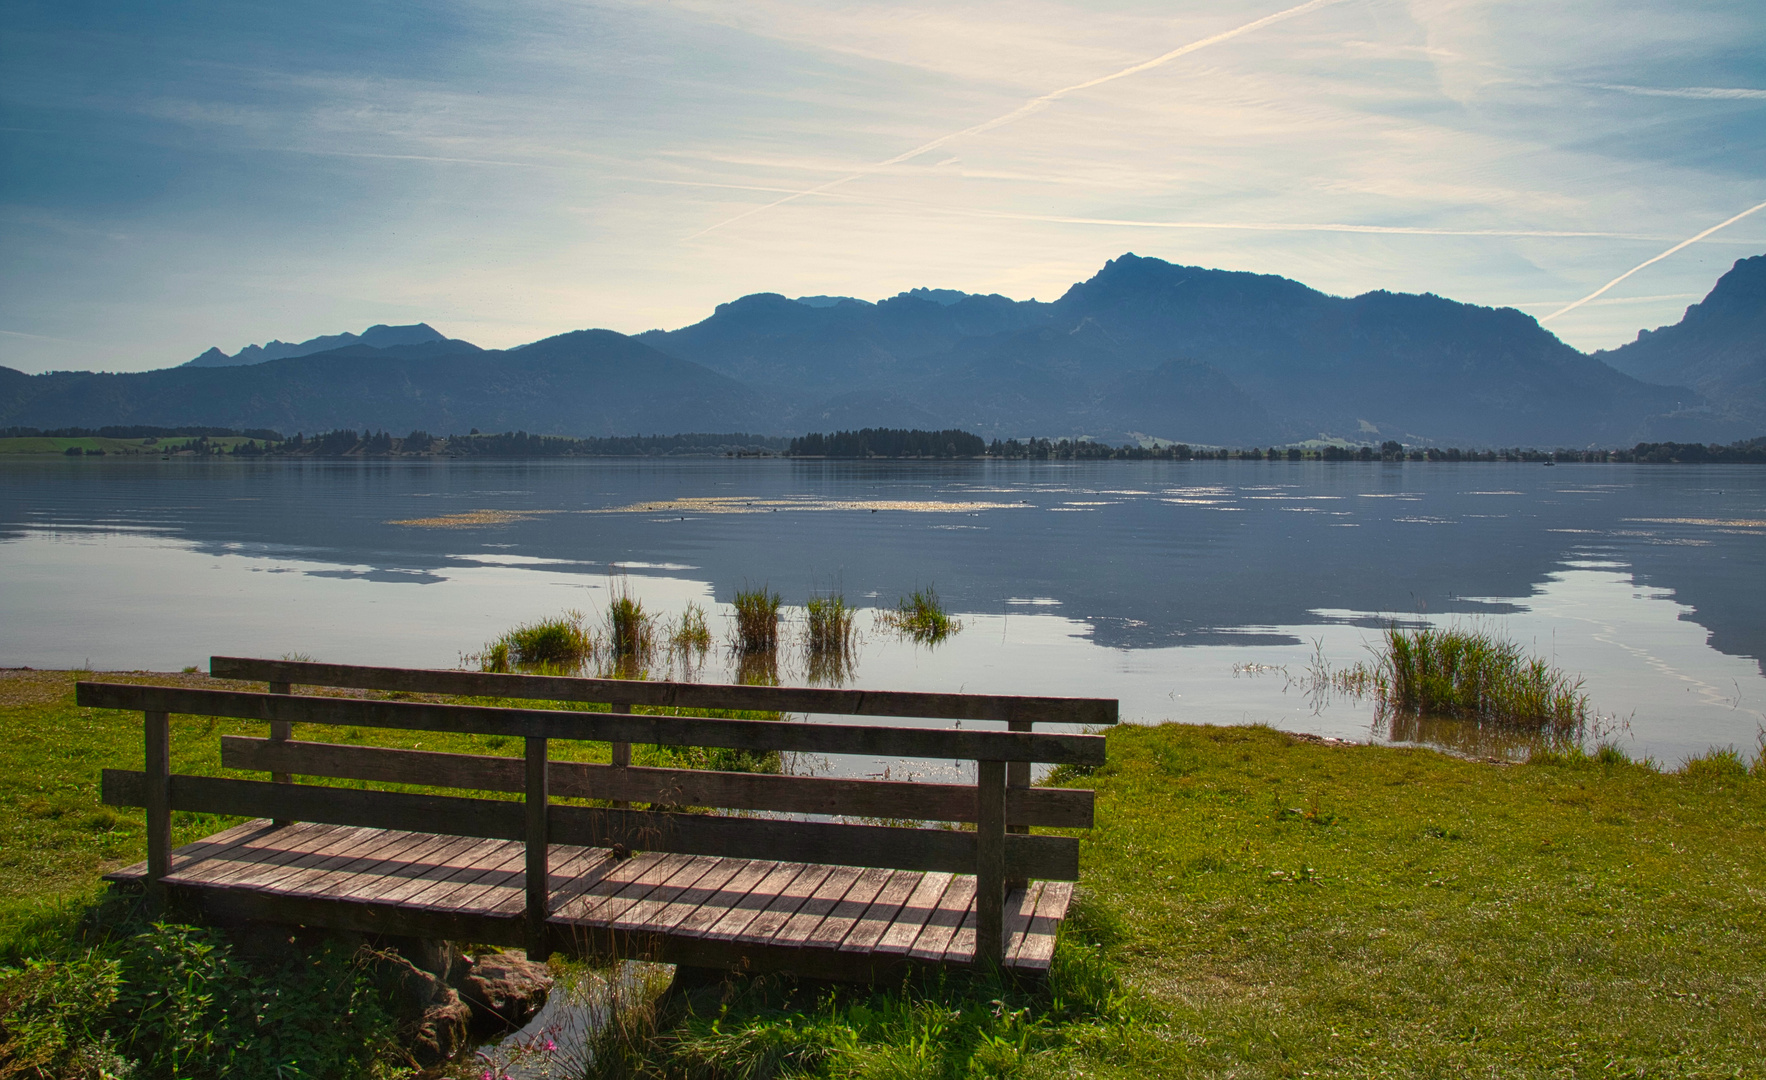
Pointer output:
x,y
1142,348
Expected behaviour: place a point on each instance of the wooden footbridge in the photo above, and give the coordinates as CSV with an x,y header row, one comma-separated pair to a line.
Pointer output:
x,y
782,879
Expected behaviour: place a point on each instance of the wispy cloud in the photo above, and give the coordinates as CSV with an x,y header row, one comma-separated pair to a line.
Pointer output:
x,y
1034,105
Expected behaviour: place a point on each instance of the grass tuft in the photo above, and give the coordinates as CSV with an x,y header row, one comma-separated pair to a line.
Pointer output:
x,y
921,617
757,620
831,640
690,633
1472,675
830,626
631,631
563,643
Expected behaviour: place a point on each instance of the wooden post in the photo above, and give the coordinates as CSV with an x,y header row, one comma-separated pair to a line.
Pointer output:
x,y
281,731
1018,776
620,753
990,863
158,768
539,871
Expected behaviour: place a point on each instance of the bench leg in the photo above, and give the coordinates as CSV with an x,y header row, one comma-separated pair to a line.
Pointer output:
x,y
539,870
990,868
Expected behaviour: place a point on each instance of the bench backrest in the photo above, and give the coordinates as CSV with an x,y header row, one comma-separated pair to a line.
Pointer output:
x,y
1001,804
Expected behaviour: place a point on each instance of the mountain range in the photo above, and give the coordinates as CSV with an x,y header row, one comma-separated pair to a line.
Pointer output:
x,y
379,336
1144,349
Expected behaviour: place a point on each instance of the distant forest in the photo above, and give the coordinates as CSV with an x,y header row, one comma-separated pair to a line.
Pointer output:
x,y
878,443
890,443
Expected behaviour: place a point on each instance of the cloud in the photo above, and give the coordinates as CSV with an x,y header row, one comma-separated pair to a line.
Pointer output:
x,y
1034,105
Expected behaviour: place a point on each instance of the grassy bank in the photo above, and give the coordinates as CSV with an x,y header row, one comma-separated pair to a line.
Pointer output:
x,y
1255,905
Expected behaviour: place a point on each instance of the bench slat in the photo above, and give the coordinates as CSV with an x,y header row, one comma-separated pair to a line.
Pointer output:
x,y
903,800
868,740
1041,710
1050,857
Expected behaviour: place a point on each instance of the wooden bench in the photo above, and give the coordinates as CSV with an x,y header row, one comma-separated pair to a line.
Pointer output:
x,y
821,896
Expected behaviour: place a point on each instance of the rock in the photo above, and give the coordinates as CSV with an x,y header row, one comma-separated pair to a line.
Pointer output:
x,y
433,1021
504,990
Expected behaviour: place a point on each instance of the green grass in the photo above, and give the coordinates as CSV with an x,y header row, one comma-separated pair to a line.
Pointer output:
x,y
757,620
1253,905
921,617
1472,675
559,645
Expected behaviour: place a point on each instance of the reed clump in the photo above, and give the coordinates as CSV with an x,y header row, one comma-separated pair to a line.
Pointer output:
x,y
829,624
757,620
631,631
690,632
921,617
563,642
1473,675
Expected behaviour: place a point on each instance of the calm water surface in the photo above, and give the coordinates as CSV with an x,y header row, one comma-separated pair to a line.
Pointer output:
x,y
1197,592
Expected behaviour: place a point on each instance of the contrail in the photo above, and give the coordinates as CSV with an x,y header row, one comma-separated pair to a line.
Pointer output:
x,y
1034,105
1657,259
1284,226
1712,92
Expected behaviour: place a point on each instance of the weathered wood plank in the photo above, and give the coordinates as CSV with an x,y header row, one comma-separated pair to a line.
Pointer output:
x,y
1046,857
624,885
901,933
1055,857
500,889
642,915
785,903
275,855
961,949
759,898
1038,948
201,852
355,865
840,920
880,914
1042,710
953,907
827,896
1020,910
689,901
1025,806
728,897
872,740
417,870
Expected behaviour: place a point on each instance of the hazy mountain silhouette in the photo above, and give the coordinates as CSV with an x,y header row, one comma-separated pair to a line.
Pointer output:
x,y
379,336
1142,348
1288,362
591,382
1718,348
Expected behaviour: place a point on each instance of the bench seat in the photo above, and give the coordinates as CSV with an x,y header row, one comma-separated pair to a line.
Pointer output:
x,y
811,918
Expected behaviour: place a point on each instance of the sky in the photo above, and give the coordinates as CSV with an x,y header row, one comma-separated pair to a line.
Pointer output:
x,y
195,173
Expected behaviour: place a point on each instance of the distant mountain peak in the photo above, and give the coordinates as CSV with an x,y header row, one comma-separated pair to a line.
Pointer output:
x,y
830,301
379,336
942,297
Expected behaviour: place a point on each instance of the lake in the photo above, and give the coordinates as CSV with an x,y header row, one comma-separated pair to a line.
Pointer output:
x,y
1202,592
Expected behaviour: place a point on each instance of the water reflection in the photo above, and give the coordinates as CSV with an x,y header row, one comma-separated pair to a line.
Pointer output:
x,y
1145,582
